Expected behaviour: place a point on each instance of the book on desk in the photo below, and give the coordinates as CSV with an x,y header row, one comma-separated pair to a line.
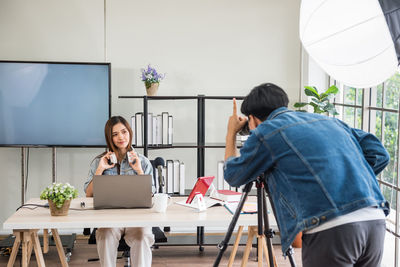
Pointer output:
x,y
227,195
248,207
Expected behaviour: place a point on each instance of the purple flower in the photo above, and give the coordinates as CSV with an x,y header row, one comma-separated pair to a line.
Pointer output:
x,y
150,75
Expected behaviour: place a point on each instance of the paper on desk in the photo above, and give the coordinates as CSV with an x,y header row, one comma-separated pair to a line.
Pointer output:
x,y
209,203
248,207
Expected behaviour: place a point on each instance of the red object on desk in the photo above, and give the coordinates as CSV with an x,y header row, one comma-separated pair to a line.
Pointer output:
x,y
229,195
201,186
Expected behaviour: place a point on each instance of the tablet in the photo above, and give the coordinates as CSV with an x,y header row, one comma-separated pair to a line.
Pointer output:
x,y
201,186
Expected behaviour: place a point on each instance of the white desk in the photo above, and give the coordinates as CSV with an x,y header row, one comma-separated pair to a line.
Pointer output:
x,y
25,222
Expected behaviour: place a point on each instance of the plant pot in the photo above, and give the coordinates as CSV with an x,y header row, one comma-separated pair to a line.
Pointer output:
x,y
63,211
152,89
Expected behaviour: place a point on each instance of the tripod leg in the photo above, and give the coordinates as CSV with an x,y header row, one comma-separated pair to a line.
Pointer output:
x,y
267,230
251,233
223,245
235,246
289,252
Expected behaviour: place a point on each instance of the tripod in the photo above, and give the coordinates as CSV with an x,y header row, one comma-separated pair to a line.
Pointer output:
x,y
262,220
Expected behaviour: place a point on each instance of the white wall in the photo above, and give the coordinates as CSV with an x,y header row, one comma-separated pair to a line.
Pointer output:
x,y
312,75
205,47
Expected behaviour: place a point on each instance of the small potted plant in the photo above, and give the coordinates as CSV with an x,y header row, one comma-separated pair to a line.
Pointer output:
x,y
59,197
151,80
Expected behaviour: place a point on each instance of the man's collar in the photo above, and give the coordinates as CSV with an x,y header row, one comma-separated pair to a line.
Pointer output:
x,y
276,112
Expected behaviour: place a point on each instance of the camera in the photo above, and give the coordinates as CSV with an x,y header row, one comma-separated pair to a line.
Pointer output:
x,y
130,158
245,129
113,158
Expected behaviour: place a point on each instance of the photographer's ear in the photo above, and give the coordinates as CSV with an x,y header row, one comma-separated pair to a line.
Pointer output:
x,y
253,122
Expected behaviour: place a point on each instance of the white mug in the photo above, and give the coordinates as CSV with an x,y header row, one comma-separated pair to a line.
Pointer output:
x,y
161,202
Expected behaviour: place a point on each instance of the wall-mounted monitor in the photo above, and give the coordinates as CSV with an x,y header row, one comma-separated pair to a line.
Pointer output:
x,y
54,103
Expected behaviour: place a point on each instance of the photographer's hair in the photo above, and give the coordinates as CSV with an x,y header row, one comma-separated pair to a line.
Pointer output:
x,y
108,132
264,99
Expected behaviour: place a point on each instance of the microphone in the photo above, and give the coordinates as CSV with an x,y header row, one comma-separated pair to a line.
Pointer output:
x,y
159,163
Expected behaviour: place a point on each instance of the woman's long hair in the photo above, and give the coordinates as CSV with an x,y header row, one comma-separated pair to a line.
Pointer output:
x,y
108,134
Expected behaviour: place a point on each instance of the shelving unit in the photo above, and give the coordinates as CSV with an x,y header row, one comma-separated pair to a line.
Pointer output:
x,y
200,145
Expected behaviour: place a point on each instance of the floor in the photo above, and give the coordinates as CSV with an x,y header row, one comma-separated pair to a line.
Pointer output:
x,y
171,256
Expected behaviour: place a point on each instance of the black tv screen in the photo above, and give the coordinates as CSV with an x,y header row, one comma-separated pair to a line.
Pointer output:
x,y
54,103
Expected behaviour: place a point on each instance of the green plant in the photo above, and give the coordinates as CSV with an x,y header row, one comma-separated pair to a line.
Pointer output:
x,y
59,193
320,102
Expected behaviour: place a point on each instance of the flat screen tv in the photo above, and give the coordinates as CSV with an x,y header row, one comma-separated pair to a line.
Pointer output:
x,y
54,103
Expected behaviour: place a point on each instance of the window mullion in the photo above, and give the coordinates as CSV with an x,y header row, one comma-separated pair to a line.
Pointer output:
x,y
364,110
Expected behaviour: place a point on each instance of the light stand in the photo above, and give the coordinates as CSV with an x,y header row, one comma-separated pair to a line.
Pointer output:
x,y
262,219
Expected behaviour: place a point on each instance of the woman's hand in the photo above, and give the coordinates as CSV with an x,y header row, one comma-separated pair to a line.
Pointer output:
x,y
135,164
103,163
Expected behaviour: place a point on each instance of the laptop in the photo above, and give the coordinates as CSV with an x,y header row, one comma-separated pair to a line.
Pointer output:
x,y
122,191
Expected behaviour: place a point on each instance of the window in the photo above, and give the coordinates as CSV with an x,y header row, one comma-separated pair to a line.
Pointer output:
x,y
376,110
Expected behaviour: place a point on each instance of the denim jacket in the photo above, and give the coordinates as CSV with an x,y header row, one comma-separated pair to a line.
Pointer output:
x,y
317,168
124,169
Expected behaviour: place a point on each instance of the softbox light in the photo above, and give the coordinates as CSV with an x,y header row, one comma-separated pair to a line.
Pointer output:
x,y
354,41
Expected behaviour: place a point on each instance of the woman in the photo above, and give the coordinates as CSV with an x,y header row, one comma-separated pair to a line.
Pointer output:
x,y
118,136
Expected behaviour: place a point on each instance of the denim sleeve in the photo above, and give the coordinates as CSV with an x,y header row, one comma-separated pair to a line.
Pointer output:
x,y
255,158
374,152
92,171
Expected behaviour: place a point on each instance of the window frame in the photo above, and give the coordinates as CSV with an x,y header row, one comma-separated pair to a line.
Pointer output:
x,y
368,124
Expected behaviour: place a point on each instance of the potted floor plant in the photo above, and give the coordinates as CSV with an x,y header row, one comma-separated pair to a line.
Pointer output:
x,y
59,196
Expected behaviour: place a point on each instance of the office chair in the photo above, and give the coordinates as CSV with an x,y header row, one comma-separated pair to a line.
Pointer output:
x,y
159,236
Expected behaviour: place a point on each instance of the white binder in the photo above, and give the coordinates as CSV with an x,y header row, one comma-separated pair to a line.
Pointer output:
x,y
133,127
176,176
181,179
170,176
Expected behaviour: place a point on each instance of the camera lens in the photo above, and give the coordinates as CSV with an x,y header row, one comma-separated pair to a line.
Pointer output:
x,y
245,130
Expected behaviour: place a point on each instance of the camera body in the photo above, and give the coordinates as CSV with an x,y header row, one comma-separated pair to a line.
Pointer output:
x,y
245,129
130,157
113,158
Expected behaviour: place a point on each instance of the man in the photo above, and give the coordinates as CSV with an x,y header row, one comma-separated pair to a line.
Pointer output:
x,y
321,175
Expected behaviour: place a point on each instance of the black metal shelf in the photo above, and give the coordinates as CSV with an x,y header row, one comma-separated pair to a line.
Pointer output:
x,y
218,145
174,145
201,144
183,97
162,97
185,145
